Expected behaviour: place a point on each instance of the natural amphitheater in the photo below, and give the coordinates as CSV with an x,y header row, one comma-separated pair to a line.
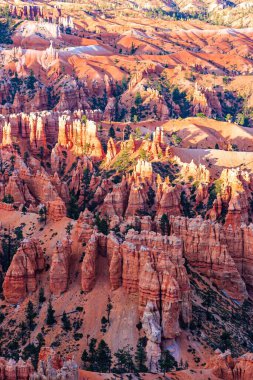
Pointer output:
x,y
126,190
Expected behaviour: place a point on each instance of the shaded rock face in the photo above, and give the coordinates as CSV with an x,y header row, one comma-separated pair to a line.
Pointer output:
x,y
59,270
95,246
227,368
21,277
149,265
221,253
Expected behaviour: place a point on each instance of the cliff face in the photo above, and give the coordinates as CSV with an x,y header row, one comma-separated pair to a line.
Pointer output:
x,y
206,250
50,366
59,270
20,370
227,368
151,266
21,277
81,138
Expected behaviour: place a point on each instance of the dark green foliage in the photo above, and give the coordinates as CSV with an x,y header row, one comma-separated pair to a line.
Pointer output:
x,y
109,309
124,360
242,120
103,357
186,205
5,29
10,245
116,179
104,322
225,341
69,228
8,198
32,350
30,315
164,224
42,297
213,191
141,356
66,322
43,214
89,357
111,132
167,362
133,49
30,81
151,197
99,102
102,225
138,99
2,317
127,131
180,99
72,208
50,319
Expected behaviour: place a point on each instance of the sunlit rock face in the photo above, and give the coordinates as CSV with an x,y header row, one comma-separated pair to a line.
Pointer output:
x,y
126,182
81,138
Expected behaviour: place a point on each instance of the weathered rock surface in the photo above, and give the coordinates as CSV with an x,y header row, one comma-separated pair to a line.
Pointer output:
x,y
21,277
206,250
59,270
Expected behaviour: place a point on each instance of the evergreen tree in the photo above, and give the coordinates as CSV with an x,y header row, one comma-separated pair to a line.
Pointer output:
x,y
138,99
66,322
141,356
69,229
85,359
92,354
127,131
104,322
102,225
31,80
50,320
109,309
164,224
30,315
167,362
111,132
103,357
43,214
42,297
124,360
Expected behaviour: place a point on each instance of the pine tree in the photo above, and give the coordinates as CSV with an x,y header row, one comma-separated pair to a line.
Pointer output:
x,y
109,309
50,320
104,322
69,229
92,354
140,356
103,357
138,99
111,132
66,322
30,315
164,224
85,359
124,360
42,297
167,362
